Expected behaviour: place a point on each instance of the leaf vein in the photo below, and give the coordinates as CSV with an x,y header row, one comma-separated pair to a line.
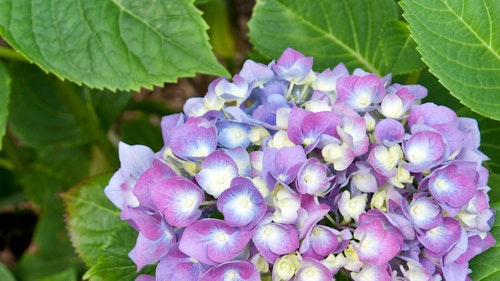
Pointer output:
x,y
466,25
353,52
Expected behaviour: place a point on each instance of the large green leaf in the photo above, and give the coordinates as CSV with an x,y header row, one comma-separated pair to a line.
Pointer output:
x,y
52,252
5,274
330,31
91,217
114,263
114,44
53,171
460,42
4,100
41,117
399,49
65,275
37,115
141,131
485,266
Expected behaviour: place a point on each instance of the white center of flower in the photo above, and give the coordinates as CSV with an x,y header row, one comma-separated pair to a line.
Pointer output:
x,y
441,184
237,134
220,180
316,232
307,141
244,202
310,178
364,100
202,151
435,231
188,203
416,210
311,273
221,236
268,231
416,155
231,275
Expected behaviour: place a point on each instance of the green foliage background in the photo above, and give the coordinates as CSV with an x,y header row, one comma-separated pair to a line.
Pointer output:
x,y
74,64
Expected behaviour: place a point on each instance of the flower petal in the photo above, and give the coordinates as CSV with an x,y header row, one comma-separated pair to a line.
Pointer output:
x,y
178,199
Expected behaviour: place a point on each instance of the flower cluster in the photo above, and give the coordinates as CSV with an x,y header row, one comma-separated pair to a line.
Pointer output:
x,y
296,175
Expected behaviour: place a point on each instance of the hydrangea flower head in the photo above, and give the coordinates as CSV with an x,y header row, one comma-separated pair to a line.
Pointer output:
x,y
291,174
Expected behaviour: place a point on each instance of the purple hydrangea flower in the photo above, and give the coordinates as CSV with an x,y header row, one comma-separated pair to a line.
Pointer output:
x,y
178,200
217,172
242,204
275,239
193,140
176,265
291,174
360,93
216,241
292,66
233,270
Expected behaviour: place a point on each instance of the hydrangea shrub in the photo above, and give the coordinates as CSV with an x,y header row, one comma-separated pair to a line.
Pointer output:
x,y
290,174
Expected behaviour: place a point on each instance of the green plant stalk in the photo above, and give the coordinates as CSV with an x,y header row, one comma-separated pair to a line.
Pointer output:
x,y
85,115
413,78
9,53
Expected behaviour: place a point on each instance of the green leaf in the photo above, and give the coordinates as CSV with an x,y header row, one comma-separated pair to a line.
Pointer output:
x,y
114,44
494,183
330,31
485,267
54,170
460,42
46,112
65,275
91,217
4,100
37,115
5,274
114,263
52,249
141,131
399,49
107,105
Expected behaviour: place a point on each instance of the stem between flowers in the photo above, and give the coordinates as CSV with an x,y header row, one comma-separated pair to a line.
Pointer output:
x,y
83,112
303,95
290,88
207,203
9,53
413,78
327,216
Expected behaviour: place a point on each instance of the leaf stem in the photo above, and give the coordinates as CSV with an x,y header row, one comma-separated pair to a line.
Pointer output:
x,y
82,110
9,53
413,78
